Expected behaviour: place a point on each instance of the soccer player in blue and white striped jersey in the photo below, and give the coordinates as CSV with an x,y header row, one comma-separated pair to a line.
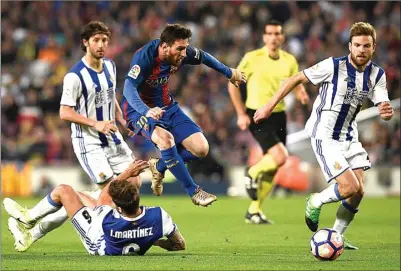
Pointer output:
x,y
129,229
344,82
89,103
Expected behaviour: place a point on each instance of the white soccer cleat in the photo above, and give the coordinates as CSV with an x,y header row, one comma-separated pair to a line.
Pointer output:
x,y
18,212
23,238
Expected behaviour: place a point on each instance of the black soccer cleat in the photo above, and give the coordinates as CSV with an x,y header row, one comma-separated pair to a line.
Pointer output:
x,y
258,218
251,185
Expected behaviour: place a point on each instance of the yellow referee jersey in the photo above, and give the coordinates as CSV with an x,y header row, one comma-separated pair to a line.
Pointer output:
x,y
265,75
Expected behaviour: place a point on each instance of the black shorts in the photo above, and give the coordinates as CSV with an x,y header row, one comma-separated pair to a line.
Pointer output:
x,y
270,131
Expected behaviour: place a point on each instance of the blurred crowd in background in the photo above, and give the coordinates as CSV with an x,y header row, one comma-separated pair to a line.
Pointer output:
x,y
40,42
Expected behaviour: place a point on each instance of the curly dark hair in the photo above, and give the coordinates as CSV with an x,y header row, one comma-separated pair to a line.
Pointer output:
x,y
91,29
125,195
173,32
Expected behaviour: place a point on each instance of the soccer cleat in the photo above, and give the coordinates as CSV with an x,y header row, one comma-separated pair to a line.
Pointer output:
x,y
312,215
157,177
251,185
203,198
258,218
348,245
23,239
18,212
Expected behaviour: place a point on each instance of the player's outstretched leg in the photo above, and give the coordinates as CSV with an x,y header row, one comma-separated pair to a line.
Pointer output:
x,y
158,168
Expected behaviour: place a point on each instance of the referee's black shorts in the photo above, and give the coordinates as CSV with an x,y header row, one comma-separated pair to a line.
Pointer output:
x,y
270,131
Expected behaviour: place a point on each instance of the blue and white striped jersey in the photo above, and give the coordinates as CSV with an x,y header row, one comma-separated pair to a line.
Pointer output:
x,y
341,94
131,236
92,94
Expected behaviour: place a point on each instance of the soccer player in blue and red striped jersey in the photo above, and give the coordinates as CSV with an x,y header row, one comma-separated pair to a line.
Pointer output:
x,y
151,111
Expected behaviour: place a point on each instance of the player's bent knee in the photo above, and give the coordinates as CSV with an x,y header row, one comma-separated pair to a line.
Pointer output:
x,y
163,139
64,189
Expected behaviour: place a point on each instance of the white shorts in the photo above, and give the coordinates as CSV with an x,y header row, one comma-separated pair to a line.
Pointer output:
x,y
104,162
89,228
335,157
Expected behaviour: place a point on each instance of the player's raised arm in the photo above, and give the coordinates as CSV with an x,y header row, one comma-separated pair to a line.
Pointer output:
x,y
196,56
265,111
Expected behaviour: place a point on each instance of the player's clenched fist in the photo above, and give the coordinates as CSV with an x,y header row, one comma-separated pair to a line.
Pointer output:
x,y
237,77
106,127
386,110
155,113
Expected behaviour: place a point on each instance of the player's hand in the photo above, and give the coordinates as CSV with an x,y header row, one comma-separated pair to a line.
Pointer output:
x,y
155,113
128,130
262,113
106,127
386,110
243,121
237,77
302,96
133,170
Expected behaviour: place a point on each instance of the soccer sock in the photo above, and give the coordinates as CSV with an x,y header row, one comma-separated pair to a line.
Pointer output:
x,y
267,163
264,189
44,207
328,195
186,156
48,223
177,167
345,214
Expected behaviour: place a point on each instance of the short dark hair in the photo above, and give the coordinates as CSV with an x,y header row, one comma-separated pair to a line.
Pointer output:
x,y
91,29
275,23
125,195
173,32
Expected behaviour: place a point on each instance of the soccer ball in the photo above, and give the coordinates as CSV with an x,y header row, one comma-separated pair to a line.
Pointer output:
x,y
327,244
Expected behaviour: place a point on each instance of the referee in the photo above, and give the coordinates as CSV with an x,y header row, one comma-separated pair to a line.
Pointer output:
x,y
265,68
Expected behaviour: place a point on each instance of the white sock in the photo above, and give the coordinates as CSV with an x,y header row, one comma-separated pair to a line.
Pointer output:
x,y
44,207
345,214
328,195
48,223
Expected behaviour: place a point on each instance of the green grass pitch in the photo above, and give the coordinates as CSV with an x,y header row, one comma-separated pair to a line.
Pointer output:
x,y
218,239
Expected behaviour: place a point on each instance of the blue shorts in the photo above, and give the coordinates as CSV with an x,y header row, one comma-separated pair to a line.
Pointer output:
x,y
173,120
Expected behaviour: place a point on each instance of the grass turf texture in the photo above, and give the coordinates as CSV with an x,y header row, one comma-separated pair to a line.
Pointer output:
x,y
218,239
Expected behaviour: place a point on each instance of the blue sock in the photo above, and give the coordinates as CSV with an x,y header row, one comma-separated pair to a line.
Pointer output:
x,y
186,156
177,167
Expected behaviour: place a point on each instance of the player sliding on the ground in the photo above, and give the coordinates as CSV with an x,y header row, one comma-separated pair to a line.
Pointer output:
x,y
129,229
345,82
152,112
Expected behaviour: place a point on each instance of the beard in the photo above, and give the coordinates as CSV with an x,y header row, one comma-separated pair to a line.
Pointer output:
x,y
360,61
97,55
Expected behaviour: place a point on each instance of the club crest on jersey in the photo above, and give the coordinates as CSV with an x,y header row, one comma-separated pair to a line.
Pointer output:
x,y
337,166
369,84
134,72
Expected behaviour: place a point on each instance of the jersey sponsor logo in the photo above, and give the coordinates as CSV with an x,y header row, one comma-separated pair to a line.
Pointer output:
x,y
100,99
353,97
135,71
158,81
